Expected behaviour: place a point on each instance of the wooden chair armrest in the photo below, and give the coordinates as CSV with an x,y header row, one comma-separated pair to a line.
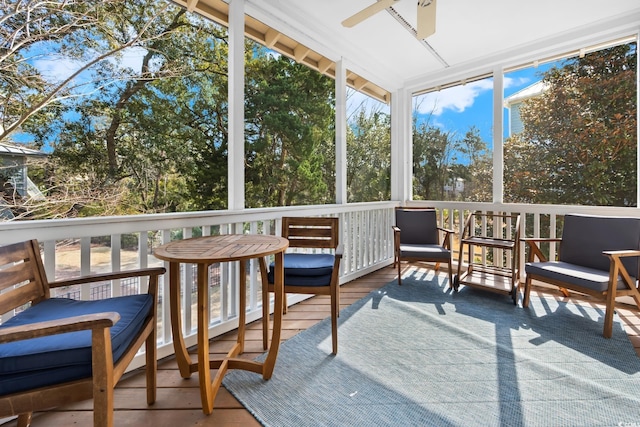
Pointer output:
x,y
141,272
446,230
617,268
59,326
541,239
396,237
446,240
621,253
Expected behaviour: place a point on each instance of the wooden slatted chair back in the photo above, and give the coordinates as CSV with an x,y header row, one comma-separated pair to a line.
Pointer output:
x,y
311,232
22,276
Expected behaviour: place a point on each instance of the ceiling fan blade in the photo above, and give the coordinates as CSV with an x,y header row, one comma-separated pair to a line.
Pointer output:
x,y
367,12
426,19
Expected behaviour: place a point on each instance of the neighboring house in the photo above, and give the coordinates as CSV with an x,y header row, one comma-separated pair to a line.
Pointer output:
x,y
455,186
514,103
15,180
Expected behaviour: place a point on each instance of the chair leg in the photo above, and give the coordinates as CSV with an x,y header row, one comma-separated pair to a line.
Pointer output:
x,y
24,420
450,267
152,366
284,303
399,273
103,379
527,291
608,315
334,318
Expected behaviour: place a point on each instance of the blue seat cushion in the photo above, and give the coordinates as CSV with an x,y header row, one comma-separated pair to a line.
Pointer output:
x,y
431,252
55,359
586,277
305,269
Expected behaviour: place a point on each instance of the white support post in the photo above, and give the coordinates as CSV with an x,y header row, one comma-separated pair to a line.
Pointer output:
x,y
498,144
341,132
235,173
401,146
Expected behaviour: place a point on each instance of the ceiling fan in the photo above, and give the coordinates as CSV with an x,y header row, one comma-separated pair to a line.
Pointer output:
x,y
426,23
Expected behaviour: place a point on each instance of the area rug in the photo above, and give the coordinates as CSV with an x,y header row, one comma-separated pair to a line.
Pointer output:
x,y
422,355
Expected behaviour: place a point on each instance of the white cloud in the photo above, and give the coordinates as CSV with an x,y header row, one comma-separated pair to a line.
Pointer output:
x,y
518,81
132,58
459,98
55,68
456,98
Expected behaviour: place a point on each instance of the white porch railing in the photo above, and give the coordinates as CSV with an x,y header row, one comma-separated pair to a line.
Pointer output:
x,y
366,237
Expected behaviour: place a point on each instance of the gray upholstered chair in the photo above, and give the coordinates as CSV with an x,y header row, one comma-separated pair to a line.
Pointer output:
x,y
416,237
597,256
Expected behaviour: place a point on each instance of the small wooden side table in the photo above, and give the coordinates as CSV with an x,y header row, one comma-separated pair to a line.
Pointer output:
x,y
205,251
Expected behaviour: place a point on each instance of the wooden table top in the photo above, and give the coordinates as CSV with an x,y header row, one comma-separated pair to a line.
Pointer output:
x,y
221,248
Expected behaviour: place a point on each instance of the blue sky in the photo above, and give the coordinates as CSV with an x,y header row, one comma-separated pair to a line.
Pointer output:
x,y
458,108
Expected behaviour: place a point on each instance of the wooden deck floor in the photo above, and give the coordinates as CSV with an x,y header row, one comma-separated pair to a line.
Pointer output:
x,y
178,402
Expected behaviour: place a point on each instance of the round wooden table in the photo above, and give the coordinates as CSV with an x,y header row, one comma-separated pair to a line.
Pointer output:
x,y
205,251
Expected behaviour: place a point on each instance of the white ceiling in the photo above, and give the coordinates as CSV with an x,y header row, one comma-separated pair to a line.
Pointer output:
x,y
469,34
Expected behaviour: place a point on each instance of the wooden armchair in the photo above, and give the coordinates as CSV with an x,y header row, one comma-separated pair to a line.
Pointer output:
x,y
308,273
598,256
416,237
55,351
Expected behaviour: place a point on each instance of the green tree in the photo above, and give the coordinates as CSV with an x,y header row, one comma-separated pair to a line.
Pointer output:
x,y
289,135
476,169
579,141
140,131
369,157
433,149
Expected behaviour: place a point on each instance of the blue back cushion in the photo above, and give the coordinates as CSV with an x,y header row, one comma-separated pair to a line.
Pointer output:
x,y
59,358
584,237
417,226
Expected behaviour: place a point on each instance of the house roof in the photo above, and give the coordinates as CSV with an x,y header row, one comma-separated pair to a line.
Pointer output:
x,y
525,93
16,150
472,37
